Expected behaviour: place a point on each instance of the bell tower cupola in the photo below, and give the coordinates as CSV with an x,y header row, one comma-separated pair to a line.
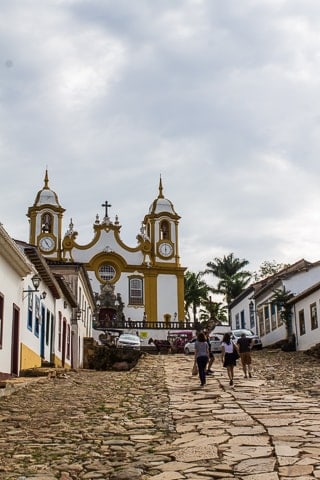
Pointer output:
x,y
161,225
45,218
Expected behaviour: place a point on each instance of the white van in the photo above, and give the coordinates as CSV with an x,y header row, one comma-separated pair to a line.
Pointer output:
x,y
220,330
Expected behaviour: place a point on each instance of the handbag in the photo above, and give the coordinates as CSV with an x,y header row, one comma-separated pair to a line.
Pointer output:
x,y
235,352
195,369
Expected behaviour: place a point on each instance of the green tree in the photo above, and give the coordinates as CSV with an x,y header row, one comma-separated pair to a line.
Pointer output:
x,y
281,297
195,292
268,268
214,313
232,279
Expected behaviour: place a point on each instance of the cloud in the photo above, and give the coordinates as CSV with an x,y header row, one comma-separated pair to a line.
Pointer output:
x,y
220,98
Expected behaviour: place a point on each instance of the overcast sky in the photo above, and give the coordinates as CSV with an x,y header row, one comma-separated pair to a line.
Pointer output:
x,y
220,97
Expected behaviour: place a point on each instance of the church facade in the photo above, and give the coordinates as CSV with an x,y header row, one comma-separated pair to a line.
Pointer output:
x,y
140,283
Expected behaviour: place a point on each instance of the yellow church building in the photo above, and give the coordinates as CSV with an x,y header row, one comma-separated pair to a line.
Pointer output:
x,y
140,285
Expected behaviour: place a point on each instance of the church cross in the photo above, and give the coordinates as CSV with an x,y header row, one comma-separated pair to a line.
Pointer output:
x,y
106,205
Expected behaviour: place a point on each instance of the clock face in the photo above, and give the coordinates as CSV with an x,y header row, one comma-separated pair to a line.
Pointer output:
x,y
46,244
165,249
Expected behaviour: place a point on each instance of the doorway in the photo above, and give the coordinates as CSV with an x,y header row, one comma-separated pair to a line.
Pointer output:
x,y
15,341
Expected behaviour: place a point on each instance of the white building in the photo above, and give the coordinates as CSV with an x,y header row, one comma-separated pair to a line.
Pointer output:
x,y
306,307
254,308
14,267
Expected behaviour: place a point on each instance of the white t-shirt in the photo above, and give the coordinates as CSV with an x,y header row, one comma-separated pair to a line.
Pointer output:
x,y
228,348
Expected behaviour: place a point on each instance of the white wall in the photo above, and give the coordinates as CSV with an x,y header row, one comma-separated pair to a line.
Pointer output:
x,y
310,337
10,282
167,296
302,280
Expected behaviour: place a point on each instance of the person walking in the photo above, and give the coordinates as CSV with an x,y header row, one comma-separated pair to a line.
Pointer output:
x,y
211,355
201,356
229,355
244,344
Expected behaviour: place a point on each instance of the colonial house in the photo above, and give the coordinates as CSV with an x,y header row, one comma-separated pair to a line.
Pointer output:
x,y
254,308
14,268
42,319
74,281
305,308
58,314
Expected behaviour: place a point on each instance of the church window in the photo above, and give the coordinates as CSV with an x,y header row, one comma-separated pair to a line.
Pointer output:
x,y
164,230
107,272
135,291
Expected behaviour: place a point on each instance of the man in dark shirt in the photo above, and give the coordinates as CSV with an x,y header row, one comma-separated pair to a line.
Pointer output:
x,y
244,344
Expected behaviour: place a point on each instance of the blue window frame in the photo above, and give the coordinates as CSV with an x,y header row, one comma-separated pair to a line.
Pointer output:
x,y
30,311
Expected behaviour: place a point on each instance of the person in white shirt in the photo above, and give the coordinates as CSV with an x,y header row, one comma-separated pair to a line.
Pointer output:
x,y
229,355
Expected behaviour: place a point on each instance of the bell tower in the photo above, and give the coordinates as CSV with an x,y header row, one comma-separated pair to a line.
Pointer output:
x,y
166,276
162,228
45,218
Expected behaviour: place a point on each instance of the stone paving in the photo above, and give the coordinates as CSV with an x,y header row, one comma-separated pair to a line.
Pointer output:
x,y
155,422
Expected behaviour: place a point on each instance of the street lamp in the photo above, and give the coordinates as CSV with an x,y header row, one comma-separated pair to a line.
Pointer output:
x,y
35,282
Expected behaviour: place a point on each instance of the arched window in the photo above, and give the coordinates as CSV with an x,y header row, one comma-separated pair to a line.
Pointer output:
x,y
135,291
164,230
46,222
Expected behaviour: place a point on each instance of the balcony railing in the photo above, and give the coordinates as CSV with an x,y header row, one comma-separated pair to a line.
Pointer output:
x,y
144,325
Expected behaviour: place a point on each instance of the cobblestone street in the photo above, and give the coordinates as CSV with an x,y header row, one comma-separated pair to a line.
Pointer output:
x,y
156,422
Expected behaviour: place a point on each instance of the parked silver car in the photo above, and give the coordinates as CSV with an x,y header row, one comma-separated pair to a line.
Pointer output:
x,y
128,340
255,339
215,342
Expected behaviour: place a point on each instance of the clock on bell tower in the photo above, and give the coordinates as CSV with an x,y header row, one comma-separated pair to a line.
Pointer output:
x,y
46,216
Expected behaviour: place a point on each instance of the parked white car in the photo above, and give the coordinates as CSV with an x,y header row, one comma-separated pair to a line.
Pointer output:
x,y
255,339
215,342
128,340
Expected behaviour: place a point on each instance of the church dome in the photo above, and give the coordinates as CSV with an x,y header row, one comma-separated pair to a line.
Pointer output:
x,y
46,196
161,204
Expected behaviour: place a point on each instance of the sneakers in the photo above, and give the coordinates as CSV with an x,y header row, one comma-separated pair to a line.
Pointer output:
x,y
231,382
209,372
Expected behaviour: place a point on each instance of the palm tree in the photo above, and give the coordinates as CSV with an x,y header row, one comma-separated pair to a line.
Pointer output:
x,y
232,278
195,292
281,298
214,313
